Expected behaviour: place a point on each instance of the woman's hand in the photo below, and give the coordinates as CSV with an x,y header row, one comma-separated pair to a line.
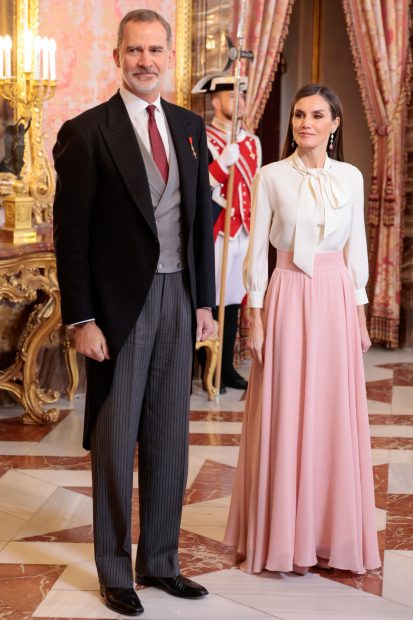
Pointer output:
x,y
364,334
256,335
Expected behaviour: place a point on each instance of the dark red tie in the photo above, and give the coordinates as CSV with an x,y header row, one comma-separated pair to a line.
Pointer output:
x,y
158,148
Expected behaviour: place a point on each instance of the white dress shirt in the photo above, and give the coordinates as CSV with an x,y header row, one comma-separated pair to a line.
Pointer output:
x,y
136,108
320,210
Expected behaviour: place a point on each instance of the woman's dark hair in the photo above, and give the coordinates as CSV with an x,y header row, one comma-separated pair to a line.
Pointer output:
x,y
336,110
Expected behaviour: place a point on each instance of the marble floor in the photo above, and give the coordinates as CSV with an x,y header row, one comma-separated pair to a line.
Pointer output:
x,y
46,551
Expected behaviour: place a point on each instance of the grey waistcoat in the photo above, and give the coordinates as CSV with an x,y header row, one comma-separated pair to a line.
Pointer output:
x,y
166,201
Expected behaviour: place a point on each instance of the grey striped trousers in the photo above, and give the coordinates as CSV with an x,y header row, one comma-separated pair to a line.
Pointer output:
x,y
148,400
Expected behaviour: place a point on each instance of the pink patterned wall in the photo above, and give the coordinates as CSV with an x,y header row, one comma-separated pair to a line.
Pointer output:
x,y
85,32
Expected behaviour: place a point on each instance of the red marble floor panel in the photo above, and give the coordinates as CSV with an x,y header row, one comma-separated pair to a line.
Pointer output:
x,y
392,443
217,416
371,582
214,480
380,391
82,534
399,530
198,554
43,462
23,587
214,439
402,373
380,474
401,420
400,505
12,429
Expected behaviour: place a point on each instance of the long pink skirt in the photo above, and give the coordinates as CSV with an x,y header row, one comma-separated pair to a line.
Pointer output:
x,y
304,481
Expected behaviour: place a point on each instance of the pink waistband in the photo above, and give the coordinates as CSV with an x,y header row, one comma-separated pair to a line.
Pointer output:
x,y
322,262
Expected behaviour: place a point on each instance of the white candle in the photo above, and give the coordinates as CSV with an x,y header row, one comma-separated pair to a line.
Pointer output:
x,y
1,57
52,58
7,56
45,47
37,52
28,45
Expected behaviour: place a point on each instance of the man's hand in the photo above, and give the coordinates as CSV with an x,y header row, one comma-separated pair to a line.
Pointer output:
x,y
90,341
205,325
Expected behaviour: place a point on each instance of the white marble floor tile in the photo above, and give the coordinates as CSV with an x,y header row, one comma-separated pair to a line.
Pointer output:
x,y
224,402
9,525
80,576
402,399
375,406
291,597
391,430
194,467
398,577
401,456
64,440
45,553
373,373
378,355
213,427
381,516
16,448
10,412
161,606
380,457
228,455
400,478
61,511
69,604
22,496
61,477
207,518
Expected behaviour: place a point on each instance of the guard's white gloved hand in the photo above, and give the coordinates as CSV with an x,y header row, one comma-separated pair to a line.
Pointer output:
x,y
229,155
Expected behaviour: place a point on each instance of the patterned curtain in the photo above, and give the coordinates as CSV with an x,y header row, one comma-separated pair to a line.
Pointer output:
x,y
379,37
266,27
406,315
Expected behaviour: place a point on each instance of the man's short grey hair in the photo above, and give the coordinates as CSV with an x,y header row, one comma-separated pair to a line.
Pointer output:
x,y
144,15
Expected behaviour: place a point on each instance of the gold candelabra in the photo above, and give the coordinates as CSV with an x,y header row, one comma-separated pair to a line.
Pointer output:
x,y
33,84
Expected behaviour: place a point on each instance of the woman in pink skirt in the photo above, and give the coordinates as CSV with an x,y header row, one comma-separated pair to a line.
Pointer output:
x,y
303,492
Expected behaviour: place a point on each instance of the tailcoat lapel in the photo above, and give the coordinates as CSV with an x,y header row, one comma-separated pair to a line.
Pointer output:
x,y
121,140
182,133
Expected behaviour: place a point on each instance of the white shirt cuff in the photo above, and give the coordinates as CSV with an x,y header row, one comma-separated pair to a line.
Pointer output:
x,y
255,299
361,296
80,322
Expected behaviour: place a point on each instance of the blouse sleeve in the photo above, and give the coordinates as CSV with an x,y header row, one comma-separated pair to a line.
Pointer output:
x,y
355,250
255,269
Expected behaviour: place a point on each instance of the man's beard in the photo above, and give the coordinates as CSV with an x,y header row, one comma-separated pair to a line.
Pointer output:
x,y
228,116
142,86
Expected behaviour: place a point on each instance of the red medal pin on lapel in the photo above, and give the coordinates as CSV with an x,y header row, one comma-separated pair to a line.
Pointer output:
x,y
194,153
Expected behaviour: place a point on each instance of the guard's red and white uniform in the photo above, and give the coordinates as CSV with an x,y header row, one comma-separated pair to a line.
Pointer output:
x,y
248,163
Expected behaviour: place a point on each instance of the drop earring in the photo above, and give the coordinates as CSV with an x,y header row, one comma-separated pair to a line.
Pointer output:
x,y
331,142
293,143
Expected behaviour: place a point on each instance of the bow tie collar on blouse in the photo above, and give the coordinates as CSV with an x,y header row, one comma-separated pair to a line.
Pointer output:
x,y
319,189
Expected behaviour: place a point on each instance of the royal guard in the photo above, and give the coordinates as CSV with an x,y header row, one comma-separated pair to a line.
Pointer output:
x,y
245,155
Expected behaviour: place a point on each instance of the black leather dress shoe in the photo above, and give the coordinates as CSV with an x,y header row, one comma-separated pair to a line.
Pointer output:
x,y
177,586
122,600
234,380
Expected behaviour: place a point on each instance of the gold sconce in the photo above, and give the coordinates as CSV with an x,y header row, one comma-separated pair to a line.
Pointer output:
x,y
27,186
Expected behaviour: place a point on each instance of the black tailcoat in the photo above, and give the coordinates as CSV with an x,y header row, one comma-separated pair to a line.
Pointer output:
x,y
106,242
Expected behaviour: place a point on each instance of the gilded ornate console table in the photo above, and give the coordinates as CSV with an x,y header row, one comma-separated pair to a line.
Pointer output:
x,y
28,282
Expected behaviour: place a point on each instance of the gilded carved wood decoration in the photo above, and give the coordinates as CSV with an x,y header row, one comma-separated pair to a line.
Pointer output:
x,y
37,173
